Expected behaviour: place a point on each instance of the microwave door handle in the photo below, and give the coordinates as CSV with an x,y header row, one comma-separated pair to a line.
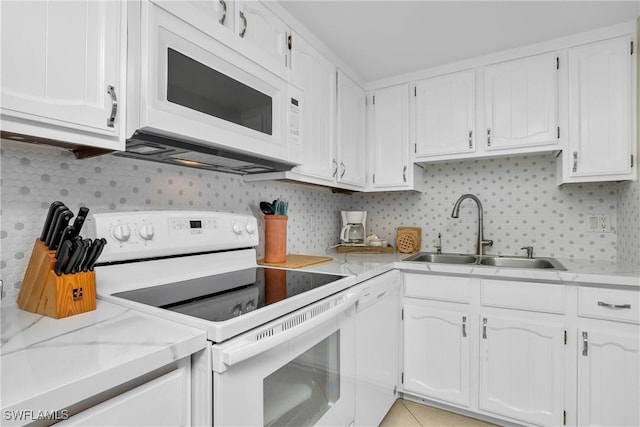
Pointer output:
x,y
248,347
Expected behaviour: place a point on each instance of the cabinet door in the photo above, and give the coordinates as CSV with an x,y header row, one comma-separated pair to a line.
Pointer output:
x,y
521,102
317,78
390,139
521,369
351,128
600,109
164,401
210,16
265,34
436,354
444,115
61,64
608,378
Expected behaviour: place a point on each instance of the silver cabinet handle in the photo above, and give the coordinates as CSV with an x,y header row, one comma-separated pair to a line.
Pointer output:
x,y
244,24
470,139
114,106
484,328
404,174
585,344
575,162
335,170
606,304
464,326
489,137
344,169
224,12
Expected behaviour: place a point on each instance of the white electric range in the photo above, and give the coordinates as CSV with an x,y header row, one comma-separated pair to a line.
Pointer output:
x,y
280,348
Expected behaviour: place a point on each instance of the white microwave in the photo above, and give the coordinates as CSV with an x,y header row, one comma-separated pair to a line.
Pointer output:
x,y
194,101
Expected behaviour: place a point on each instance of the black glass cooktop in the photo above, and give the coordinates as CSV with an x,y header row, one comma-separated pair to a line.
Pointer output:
x,y
224,296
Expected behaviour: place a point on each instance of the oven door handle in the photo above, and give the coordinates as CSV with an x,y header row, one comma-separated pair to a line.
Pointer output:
x,y
261,340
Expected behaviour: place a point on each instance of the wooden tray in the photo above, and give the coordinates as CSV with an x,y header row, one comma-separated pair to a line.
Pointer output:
x,y
297,261
366,249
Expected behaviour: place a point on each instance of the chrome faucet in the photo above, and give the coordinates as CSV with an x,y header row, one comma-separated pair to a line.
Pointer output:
x,y
481,243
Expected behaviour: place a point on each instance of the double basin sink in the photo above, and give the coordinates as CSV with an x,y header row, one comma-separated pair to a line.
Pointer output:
x,y
487,260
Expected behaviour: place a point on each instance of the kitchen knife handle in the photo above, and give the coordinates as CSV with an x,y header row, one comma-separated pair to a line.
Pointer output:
x,y
54,220
75,254
101,246
67,234
77,267
62,256
61,225
80,218
47,222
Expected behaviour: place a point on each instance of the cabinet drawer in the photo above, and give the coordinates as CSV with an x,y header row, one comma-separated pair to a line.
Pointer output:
x,y
610,304
440,288
533,296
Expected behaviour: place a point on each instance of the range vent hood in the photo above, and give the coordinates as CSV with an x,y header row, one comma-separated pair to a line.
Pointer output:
x,y
178,152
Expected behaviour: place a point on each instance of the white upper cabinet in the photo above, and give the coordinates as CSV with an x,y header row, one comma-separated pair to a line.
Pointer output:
x,y
62,75
247,26
266,36
390,139
444,115
351,132
521,103
601,143
316,77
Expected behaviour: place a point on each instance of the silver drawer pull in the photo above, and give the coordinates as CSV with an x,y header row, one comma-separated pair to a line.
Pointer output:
x,y
585,344
464,326
224,12
484,328
606,304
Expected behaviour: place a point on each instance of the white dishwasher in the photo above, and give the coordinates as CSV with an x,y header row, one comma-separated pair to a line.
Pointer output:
x,y
378,330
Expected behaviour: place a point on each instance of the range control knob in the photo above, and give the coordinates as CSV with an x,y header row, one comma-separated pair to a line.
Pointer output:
x,y
237,228
250,228
250,306
237,310
145,231
121,232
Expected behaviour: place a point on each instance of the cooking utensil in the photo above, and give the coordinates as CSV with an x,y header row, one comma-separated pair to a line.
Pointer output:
x,y
62,257
101,243
76,251
49,220
61,223
79,221
267,208
77,267
54,219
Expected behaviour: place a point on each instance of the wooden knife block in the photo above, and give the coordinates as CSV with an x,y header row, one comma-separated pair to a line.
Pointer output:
x,y
46,293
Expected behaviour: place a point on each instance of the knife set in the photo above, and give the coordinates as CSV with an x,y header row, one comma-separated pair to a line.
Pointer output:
x,y
60,281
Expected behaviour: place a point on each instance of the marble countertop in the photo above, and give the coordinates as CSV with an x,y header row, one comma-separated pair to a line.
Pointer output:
x,y
365,266
48,364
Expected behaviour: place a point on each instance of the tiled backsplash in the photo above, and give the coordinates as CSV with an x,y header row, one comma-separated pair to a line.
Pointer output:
x,y
522,207
33,176
522,204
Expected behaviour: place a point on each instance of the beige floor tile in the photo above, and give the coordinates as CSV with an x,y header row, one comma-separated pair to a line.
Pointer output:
x,y
399,416
428,416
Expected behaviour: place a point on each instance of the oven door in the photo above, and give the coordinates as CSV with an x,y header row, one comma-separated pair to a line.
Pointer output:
x,y
194,87
297,371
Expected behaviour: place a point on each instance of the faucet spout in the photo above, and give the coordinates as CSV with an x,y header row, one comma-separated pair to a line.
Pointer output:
x,y
481,242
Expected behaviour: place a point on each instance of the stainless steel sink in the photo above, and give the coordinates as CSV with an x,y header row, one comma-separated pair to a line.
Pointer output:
x,y
443,258
487,260
516,262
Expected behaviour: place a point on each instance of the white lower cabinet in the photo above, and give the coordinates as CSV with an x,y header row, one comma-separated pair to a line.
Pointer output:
x,y
608,353
163,401
436,354
521,368
608,377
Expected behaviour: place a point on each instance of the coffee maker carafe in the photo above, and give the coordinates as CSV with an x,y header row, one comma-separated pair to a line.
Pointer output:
x,y
353,228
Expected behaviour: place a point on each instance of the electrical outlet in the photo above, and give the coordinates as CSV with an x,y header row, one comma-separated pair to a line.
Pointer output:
x,y
599,223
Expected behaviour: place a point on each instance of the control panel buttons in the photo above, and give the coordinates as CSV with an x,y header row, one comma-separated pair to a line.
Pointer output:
x,y
250,227
237,228
121,232
146,231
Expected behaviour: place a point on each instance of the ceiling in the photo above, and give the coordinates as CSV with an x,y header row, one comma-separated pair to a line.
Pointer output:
x,y
380,39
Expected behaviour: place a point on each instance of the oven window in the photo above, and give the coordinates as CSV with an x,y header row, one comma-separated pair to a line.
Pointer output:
x,y
302,391
198,87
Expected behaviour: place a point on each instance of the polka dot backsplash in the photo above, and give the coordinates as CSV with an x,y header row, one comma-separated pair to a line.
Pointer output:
x,y
522,204
33,176
522,207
